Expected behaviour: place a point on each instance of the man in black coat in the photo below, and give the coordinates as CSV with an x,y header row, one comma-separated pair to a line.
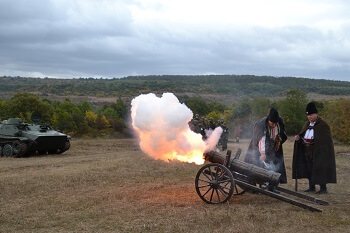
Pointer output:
x,y
313,156
265,149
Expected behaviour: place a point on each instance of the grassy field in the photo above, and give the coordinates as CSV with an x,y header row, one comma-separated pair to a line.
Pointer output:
x,y
112,186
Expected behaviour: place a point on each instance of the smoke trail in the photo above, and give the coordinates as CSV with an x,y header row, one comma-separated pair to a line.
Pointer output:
x,y
162,127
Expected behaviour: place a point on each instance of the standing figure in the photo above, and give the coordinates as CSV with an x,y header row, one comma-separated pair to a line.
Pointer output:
x,y
212,124
224,136
313,156
265,149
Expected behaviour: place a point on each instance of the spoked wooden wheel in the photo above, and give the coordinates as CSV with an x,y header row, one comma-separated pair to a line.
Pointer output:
x,y
214,183
238,190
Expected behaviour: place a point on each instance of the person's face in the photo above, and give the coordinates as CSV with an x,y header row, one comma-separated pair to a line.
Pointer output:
x,y
312,117
272,124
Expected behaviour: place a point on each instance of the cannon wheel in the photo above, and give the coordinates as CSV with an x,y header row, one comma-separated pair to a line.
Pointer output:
x,y
214,183
238,190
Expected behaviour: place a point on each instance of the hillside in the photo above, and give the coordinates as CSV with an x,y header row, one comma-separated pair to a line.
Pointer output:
x,y
209,86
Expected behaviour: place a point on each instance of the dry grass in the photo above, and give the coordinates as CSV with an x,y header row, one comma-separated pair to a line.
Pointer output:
x,y
111,186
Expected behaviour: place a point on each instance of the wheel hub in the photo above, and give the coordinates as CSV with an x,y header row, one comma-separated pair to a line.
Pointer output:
x,y
214,184
7,150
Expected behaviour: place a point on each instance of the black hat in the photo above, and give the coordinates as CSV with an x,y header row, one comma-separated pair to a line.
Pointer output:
x,y
311,108
273,115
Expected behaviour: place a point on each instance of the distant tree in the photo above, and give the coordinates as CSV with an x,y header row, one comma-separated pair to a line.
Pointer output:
x,y
65,121
217,106
116,114
319,105
259,107
85,106
4,110
91,118
102,123
227,115
197,105
69,107
292,110
215,115
118,125
82,126
337,114
239,116
109,112
24,104
120,108
243,108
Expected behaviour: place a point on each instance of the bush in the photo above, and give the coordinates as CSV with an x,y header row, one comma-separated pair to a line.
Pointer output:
x,y
337,114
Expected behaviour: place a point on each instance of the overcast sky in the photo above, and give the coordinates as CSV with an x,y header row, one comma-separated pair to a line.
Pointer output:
x,y
117,38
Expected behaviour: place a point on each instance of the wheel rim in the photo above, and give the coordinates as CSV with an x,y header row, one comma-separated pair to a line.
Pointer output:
x,y
238,190
214,183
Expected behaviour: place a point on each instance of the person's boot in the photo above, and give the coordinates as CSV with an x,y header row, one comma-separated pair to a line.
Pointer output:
x,y
323,189
310,189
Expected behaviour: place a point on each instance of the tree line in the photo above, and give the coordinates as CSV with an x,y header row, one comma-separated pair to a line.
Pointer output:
x,y
87,120
233,85
241,115
81,119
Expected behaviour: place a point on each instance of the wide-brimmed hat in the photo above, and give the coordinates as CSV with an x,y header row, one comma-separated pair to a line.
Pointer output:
x,y
311,108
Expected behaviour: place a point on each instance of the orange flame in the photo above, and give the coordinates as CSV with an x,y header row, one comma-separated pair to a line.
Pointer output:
x,y
162,127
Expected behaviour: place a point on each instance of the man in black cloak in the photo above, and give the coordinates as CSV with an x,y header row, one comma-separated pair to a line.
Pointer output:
x,y
313,156
265,149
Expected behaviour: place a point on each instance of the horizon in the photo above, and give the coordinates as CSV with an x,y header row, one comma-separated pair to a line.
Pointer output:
x,y
173,75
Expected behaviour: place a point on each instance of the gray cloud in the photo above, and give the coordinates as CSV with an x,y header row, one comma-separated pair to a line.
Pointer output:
x,y
102,39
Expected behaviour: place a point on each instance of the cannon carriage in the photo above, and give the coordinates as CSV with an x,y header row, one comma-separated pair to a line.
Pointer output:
x,y
227,176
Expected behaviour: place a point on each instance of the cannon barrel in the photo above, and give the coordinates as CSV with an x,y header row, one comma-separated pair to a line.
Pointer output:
x,y
256,174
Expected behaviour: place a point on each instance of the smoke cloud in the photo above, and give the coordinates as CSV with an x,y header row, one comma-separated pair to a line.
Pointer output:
x,y
161,124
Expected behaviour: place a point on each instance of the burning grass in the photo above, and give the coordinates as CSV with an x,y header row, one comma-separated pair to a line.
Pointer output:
x,y
111,186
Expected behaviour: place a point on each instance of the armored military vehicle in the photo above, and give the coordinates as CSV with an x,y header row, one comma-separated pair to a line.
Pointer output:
x,y
18,139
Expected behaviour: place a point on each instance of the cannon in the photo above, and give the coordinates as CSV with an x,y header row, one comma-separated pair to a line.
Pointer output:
x,y
225,176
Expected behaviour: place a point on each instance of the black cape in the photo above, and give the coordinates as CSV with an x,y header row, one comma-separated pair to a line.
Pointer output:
x,y
324,170
253,154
